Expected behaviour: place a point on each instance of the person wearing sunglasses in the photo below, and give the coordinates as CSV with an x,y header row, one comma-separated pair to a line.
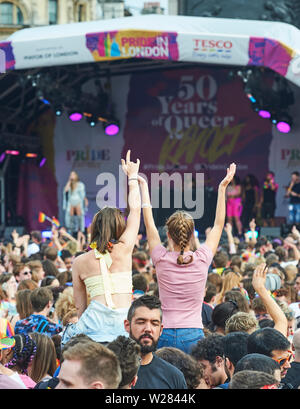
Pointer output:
x,y
268,341
21,272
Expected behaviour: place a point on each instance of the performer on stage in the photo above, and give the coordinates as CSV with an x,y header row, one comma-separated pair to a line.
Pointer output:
x,y
234,204
293,192
250,199
74,203
268,199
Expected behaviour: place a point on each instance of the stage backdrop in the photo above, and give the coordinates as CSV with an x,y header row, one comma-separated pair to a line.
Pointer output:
x,y
183,120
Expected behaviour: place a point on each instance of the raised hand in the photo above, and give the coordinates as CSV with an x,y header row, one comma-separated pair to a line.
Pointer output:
x,y
228,228
130,168
229,176
259,277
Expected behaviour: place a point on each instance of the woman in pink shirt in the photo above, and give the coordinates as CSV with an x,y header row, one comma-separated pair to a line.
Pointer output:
x,y
182,273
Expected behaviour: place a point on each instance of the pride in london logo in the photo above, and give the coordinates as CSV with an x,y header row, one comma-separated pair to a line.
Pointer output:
x,y
118,44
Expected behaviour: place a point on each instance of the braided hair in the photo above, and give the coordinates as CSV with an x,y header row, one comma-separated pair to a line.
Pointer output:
x,y
23,353
181,228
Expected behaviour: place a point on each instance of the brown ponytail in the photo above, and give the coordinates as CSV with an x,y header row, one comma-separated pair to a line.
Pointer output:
x,y
107,227
181,227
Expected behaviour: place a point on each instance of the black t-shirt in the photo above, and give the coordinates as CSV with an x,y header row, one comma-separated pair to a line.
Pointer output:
x,y
269,195
206,314
159,374
293,375
296,189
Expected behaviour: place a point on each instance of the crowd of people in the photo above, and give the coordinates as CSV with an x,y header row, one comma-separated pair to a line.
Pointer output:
x,y
109,308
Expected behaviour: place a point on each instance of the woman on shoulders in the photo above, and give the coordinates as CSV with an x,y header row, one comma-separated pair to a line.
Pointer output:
x,y
182,273
105,272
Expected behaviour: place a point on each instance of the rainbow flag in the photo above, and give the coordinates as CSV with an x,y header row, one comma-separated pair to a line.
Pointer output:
x,y
42,217
6,329
55,221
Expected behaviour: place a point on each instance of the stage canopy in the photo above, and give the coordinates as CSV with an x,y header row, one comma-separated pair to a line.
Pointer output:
x,y
161,38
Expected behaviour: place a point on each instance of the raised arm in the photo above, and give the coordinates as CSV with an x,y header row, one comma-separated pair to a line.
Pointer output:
x,y
213,237
276,313
228,230
153,237
131,169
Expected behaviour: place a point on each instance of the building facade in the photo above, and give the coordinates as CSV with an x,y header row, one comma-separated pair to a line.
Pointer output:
x,y
18,14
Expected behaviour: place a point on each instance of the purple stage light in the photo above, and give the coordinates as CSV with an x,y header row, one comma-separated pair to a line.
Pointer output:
x,y
283,127
2,157
75,116
112,129
264,114
42,162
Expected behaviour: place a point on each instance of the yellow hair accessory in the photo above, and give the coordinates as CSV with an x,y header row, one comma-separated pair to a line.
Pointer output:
x,y
93,245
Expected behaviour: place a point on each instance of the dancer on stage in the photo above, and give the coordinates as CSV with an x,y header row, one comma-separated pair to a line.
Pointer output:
x,y
105,272
250,199
293,192
268,199
75,204
234,204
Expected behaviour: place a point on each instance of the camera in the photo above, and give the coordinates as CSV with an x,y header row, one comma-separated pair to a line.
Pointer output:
x,y
273,282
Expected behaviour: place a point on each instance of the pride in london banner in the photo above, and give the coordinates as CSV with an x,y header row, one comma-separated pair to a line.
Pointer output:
x,y
135,43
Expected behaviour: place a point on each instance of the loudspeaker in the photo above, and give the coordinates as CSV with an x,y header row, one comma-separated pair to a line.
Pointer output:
x,y
8,231
270,231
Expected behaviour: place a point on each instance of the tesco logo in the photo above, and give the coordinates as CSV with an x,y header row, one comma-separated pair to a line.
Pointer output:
x,y
220,44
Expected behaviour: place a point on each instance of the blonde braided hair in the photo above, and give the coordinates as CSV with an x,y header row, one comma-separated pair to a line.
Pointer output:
x,y
181,227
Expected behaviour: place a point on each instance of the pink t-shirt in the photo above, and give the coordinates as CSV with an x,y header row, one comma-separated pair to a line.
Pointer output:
x,y
181,287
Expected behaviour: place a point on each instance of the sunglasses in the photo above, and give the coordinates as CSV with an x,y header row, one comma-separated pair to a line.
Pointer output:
x,y
282,361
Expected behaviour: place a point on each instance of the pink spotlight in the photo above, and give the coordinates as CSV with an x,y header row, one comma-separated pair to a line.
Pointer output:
x,y
12,152
112,129
264,114
283,127
75,116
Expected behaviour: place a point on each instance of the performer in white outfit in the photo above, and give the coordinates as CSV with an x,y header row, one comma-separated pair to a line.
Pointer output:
x,y
74,203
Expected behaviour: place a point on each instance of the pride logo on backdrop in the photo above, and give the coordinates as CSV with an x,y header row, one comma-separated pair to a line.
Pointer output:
x,y
133,44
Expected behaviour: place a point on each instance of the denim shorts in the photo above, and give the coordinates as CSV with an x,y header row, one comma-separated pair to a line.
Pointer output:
x,y
99,322
181,338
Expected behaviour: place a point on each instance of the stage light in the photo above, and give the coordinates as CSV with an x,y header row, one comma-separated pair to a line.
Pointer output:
x,y
58,110
251,97
283,127
31,155
92,120
12,152
111,127
2,157
45,101
42,162
284,123
75,116
264,114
